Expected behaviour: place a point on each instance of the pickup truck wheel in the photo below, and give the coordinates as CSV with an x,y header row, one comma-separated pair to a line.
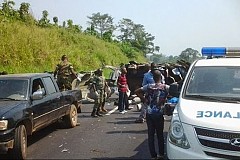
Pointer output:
x,y
79,110
71,119
19,150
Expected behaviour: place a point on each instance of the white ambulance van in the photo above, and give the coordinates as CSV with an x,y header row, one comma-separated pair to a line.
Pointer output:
x,y
206,121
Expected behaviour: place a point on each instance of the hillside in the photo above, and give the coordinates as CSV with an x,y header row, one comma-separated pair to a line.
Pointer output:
x,y
29,48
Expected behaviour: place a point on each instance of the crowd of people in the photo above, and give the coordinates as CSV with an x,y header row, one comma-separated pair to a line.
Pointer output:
x,y
153,94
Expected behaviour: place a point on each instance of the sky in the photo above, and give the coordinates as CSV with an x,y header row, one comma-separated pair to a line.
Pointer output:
x,y
175,24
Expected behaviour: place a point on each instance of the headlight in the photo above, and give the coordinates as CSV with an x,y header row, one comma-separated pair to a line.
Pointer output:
x,y
177,130
176,133
3,124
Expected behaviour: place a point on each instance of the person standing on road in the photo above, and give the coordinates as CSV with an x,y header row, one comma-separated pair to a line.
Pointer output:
x,y
123,104
64,73
155,97
106,92
98,83
147,79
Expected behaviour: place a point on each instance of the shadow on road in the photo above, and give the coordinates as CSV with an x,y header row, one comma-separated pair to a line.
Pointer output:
x,y
38,136
142,151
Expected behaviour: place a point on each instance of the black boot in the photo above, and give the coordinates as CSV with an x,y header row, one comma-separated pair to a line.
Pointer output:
x,y
98,112
93,114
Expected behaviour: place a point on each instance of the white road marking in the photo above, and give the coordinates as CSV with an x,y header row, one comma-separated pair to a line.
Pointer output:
x,y
113,110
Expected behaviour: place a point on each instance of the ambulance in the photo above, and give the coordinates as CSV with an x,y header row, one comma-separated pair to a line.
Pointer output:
x,y
206,120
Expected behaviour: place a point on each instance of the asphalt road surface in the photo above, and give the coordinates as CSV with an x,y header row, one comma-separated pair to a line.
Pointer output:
x,y
113,136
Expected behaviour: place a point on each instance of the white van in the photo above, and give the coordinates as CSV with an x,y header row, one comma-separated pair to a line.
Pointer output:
x,y
206,121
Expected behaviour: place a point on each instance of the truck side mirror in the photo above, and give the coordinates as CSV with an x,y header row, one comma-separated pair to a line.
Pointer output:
x,y
174,89
37,95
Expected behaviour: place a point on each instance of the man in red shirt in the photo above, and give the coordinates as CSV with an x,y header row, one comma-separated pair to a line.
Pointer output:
x,y
122,90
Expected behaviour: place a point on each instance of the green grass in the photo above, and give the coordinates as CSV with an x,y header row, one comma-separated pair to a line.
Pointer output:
x,y
29,48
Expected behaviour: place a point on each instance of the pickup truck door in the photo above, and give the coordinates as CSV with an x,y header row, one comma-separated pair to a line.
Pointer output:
x,y
40,107
55,98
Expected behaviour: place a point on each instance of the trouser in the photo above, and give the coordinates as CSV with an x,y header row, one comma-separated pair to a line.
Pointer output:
x,y
155,124
102,108
99,100
123,101
126,102
64,83
143,111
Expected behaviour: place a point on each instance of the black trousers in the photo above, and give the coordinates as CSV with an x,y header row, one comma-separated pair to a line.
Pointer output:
x,y
123,101
155,124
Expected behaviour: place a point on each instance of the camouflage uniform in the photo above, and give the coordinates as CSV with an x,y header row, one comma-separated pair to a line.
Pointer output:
x,y
64,72
99,83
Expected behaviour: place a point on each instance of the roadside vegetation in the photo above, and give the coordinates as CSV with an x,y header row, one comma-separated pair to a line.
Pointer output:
x,y
31,45
33,49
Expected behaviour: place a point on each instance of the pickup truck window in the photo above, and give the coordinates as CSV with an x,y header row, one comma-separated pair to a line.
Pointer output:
x,y
38,86
49,85
14,89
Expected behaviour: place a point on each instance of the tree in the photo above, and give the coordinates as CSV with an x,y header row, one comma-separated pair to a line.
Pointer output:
x,y
126,28
143,40
91,31
70,23
157,48
189,55
64,24
7,9
136,35
73,28
101,23
44,21
24,11
107,36
55,20
24,14
128,50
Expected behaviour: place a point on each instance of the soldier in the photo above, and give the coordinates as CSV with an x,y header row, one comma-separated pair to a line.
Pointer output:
x,y
98,84
65,74
106,93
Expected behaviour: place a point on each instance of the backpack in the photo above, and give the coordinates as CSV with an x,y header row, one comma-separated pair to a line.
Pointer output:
x,y
156,95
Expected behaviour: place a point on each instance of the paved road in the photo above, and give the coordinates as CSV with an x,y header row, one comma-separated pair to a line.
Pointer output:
x,y
114,136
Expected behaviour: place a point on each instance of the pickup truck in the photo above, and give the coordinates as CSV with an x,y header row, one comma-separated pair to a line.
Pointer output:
x,y
30,102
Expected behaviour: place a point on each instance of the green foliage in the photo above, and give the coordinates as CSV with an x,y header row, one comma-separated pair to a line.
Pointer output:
x,y
55,20
44,21
7,9
128,50
29,45
136,35
29,48
107,36
102,23
91,31
157,48
162,59
73,28
190,55
8,14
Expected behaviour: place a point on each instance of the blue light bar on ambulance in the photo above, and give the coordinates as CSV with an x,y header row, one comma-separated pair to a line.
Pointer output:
x,y
221,51
213,51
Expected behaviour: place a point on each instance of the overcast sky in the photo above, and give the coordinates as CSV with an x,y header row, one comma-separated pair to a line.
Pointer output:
x,y
176,24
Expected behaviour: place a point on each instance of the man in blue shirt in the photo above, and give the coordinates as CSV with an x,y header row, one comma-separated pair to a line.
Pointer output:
x,y
148,79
